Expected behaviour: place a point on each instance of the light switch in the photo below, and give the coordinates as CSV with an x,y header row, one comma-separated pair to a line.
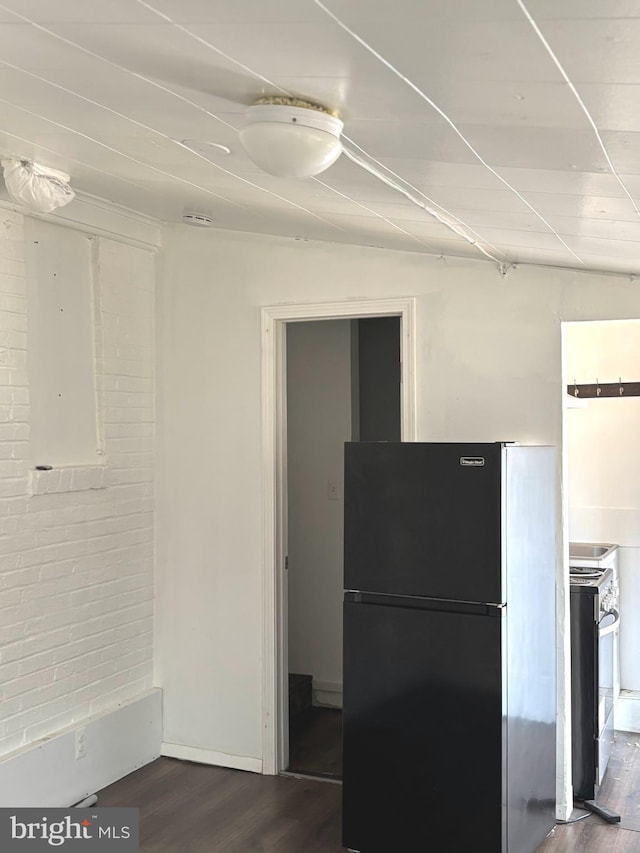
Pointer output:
x,y
332,489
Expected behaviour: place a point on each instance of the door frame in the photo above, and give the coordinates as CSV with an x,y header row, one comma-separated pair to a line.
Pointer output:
x,y
275,688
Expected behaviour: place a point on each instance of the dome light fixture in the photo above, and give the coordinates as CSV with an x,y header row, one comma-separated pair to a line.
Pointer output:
x,y
291,138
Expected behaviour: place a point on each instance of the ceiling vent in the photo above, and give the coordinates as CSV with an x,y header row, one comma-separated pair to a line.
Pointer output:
x,y
199,220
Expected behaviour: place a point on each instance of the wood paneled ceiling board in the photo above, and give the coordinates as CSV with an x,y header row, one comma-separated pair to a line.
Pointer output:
x,y
572,182
95,11
569,9
508,127
599,50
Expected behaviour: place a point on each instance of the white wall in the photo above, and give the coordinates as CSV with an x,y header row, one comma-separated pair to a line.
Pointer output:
x,y
76,543
604,465
489,368
318,424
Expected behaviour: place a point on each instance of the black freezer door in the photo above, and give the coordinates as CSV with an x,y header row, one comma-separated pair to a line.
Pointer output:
x,y
423,730
424,519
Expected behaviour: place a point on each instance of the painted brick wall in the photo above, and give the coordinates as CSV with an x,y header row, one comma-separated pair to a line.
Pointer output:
x,y
76,547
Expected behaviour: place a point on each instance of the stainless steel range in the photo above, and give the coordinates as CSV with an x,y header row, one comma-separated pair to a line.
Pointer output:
x,y
595,622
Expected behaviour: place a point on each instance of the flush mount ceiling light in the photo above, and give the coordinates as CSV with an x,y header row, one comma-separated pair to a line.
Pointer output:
x,y
291,138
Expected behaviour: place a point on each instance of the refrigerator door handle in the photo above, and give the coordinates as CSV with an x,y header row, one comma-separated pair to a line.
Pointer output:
x,y
419,603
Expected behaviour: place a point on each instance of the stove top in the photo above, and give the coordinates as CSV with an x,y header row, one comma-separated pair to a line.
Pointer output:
x,y
585,571
585,577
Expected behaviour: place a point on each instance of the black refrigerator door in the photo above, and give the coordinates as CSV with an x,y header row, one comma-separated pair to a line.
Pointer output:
x,y
424,520
423,750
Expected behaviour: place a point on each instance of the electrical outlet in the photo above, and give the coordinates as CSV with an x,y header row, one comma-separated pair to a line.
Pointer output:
x,y
81,743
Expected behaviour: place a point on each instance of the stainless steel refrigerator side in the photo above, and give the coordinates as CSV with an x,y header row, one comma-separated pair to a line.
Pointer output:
x,y
503,645
531,645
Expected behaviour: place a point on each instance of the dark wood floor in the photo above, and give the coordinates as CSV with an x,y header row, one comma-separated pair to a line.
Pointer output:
x,y
315,743
621,792
193,808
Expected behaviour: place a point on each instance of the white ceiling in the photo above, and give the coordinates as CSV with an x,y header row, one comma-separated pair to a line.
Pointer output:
x,y
518,122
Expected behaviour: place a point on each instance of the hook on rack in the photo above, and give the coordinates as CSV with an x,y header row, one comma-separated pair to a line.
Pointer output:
x,y
606,389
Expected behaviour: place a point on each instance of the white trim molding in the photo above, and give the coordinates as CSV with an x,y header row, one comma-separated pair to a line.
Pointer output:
x,y
327,694
274,320
210,756
94,215
118,741
627,711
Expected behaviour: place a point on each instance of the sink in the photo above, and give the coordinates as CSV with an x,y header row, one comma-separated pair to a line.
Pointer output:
x,y
589,552
598,555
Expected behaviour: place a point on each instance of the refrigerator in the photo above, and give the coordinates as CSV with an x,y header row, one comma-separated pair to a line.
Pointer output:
x,y
449,702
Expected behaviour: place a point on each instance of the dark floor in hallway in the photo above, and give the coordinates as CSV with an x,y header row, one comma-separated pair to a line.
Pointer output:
x,y
315,743
193,808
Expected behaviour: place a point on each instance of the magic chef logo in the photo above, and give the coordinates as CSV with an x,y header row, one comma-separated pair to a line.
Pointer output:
x,y
43,829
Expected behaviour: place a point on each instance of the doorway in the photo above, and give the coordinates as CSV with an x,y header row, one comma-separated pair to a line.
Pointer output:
x,y
276,502
601,417
343,384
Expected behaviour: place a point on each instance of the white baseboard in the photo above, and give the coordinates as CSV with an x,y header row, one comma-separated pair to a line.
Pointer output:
x,y
48,774
627,711
210,756
327,694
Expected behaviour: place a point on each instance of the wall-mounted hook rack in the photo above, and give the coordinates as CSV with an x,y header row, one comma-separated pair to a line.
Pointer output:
x,y
606,389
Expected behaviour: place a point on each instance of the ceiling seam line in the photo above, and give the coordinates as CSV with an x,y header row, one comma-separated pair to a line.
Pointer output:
x,y
115,150
266,80
449,121
207,44
164,136
114,112
419,192
153,130
378,215
417,202
73,160
139,76
581,103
